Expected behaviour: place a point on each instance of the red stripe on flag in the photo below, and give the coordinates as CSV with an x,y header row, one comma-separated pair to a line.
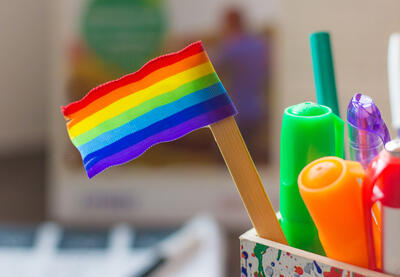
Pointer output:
x,y
148,68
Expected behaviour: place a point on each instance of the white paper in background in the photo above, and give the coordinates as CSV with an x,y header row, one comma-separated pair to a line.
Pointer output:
x,y
17,252
196,249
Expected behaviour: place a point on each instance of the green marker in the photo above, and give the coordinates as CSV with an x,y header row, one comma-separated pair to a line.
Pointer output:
x,y
324,73
309,131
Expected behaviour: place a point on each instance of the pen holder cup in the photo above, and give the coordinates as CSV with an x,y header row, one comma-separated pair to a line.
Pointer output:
x,y
261,257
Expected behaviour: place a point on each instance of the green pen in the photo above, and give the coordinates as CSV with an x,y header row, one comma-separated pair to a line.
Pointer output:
x,y
309,131
324,73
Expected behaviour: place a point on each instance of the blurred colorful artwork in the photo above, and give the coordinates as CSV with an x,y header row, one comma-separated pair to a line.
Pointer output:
x,y
124,32
112,38
259,260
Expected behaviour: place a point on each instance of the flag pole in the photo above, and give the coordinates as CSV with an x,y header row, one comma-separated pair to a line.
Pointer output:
x,y
248,182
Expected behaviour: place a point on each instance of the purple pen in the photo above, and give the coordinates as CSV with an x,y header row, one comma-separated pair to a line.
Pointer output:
x,y
367,130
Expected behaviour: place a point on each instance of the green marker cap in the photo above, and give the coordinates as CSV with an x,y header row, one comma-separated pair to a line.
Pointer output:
x,y
309,131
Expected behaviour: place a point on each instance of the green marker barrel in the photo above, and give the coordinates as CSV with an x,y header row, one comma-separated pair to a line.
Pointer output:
x,y
309,132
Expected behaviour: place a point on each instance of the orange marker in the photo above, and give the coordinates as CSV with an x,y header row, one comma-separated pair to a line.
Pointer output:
x,y
331,190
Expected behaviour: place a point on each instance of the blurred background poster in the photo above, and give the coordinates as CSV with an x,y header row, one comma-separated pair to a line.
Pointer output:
x,y
102,40
114,38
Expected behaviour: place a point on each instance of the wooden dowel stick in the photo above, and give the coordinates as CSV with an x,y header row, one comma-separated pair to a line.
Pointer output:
x,y
247,179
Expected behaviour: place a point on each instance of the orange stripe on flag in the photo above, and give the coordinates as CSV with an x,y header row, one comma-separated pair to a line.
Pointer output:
x,y
149,80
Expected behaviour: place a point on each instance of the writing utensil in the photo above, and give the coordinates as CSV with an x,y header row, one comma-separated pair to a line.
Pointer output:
x,y
323,184
367,130
393,64
169,258
324,73
309,131
175,262
154,266
381,183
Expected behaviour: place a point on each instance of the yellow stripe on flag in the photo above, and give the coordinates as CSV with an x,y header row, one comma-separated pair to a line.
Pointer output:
x,y
139,97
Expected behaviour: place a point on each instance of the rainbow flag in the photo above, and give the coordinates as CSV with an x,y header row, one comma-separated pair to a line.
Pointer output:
x,y
167,98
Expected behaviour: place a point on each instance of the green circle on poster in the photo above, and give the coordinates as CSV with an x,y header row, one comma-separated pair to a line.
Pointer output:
x,y
124,32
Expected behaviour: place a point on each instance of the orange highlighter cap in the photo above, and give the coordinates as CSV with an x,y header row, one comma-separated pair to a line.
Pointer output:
x,y
321,174
331,190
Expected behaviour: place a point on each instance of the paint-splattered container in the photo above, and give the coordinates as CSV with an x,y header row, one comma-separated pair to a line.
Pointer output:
x,y
262,258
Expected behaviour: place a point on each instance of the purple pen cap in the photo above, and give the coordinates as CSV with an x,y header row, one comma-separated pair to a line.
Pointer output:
x,y
367,130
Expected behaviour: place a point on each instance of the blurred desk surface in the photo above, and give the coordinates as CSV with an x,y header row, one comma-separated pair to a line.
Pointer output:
x,y
23,191
196,249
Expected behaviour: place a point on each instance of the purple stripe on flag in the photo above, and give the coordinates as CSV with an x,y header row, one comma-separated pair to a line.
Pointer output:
x,y
168,135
